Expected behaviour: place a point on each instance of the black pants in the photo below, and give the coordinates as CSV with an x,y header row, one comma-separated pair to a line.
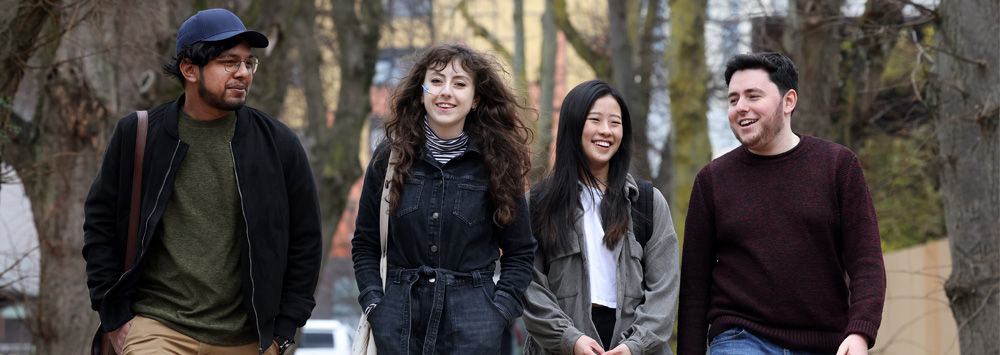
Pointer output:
x,y
604,320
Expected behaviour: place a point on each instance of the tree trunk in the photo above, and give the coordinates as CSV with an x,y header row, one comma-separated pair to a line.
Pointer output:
x,y
89,74
482,32
335,152
654,63
812,37
273,19
966,107
310,59
648,58
543,136
520,71
689,100
57,171
872,41
623,75
516,58
591,53
297,60
17,44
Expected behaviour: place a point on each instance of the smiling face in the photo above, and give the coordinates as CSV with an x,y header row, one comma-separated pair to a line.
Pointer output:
x,y
602,135
449,95
759,115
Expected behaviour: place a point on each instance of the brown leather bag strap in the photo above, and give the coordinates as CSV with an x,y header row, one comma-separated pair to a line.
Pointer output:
x,y
133,217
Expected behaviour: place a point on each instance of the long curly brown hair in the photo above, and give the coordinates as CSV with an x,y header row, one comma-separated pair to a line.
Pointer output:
x,y
495,125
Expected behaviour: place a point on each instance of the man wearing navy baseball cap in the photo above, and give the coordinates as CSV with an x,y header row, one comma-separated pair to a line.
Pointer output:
x,y
228,248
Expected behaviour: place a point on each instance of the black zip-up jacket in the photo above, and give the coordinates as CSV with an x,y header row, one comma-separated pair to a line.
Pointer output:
x,y
280,229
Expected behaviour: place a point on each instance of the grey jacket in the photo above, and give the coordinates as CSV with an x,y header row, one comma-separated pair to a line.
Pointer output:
x,y
558,302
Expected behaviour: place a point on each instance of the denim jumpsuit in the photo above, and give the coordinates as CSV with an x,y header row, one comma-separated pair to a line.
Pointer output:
x,y
440,297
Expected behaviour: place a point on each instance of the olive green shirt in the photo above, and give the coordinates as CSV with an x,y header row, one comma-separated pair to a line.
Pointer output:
x,y
192,279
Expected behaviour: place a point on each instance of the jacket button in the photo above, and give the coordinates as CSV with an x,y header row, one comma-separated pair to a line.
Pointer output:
x,y
434,248
434,216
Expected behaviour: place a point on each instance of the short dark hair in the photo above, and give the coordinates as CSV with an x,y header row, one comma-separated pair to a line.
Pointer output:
x,y
780,69
199,53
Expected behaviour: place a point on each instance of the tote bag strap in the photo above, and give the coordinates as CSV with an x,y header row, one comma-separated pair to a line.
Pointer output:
x,y
384,212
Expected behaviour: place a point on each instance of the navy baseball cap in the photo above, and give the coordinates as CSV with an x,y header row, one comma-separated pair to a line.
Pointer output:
x,y
215,25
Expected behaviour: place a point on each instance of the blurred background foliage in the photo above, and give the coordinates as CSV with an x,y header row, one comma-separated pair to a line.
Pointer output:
x,y
909,85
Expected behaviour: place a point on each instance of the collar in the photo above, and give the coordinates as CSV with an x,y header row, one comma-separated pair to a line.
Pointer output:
x,y
425,154
631,189
173,111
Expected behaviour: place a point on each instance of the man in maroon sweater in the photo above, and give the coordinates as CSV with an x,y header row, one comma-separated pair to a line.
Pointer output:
x,y
781,245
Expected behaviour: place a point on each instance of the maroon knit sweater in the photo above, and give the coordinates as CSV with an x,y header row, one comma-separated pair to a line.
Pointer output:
x,y
785,246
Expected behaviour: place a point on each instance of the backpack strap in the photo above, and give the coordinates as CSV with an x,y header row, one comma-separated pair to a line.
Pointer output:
x,y
642,216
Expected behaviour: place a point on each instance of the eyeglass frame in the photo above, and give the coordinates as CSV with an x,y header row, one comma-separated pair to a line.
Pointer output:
x,y
226,65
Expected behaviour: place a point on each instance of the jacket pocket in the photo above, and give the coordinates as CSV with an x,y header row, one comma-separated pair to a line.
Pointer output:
x,y
564,270
471,203
410,199
633,272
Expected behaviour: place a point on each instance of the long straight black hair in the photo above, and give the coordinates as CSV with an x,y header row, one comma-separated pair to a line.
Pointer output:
x,y
555,204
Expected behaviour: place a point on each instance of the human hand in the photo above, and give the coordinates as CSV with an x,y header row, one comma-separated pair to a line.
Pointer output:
x,y
118,336
621,349
854,344
587,346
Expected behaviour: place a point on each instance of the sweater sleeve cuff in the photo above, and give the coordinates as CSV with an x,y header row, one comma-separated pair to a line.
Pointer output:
x,y
510,306
866,329
284,327
369,296
114,325
569,338
635,347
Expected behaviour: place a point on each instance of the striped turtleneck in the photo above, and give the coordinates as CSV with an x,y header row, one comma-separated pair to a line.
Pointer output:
x,y
444,150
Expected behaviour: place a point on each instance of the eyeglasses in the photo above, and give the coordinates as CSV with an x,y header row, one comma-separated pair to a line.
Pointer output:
x,y
233,65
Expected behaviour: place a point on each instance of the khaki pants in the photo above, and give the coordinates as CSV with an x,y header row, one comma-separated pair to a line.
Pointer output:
x,y
148,336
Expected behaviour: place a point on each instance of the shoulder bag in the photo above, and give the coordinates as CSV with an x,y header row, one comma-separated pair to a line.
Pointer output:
x,y
101,344
364,342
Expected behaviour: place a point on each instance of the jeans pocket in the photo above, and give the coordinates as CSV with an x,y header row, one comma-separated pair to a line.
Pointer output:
x,y
728,335
390,303
389,318
489,291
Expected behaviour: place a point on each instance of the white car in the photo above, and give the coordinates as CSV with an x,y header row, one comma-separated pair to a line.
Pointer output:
x,y
326,337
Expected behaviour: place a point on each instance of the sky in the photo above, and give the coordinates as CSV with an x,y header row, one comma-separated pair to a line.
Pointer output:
x,y
17,239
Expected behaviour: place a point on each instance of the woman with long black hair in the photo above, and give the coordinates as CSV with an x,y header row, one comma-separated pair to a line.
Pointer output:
x,y
607,268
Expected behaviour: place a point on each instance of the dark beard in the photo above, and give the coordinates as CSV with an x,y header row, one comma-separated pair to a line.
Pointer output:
x,y
217,101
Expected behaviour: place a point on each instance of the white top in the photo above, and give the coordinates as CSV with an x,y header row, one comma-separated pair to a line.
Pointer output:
x,y
601,265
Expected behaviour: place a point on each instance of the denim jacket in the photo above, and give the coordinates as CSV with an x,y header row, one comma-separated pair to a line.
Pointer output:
x,y
558,308
444,220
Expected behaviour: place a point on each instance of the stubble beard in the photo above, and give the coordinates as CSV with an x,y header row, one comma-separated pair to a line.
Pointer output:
x,y
771,127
